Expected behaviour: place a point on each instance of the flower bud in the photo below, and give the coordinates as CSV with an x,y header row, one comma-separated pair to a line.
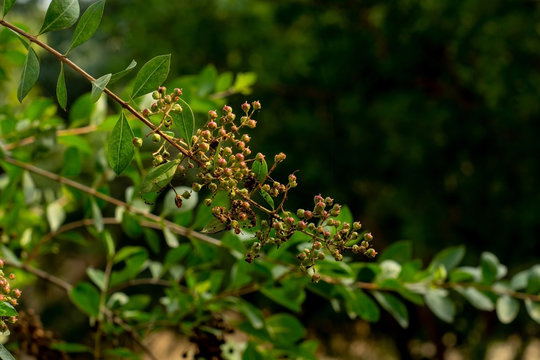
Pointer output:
x,y
252,124
280,157
245,107
256,105
357,225
137,142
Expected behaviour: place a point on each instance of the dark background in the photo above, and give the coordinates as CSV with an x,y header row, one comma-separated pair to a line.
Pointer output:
x,y
422,116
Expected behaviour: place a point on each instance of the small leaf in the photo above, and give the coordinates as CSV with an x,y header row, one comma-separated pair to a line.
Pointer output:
x,y
214,226
8,4
439,303
86,298
260,169
97,216
88,24
55,215
61,14
507,309
109,244
29,75
98,86
266,196
61,91
489,265
400,251
449,258
185,124
151,75
394,306
533,308
285,329
121,147
6,309
117,76
533,280
159,177
170,238
97,277
476,298
252,313
5,354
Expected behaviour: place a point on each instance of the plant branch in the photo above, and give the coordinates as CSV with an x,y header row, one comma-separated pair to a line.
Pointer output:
x,y
124,104
165,223
40,274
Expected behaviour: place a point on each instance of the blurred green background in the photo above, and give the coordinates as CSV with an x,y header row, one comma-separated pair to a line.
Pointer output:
x,y
421,115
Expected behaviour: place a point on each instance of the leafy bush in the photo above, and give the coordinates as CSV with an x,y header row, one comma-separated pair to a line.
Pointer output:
x,y
175,224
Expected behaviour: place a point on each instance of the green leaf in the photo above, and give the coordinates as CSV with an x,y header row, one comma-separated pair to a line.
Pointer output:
x,y
394,306
109,244
489,265
88,24
97,216
244,81
266,196
72,162
151,75
159,177
5,354
290,294
98,86
533,280
29,75
133,265
117,76
97,277
449,258
55,215
507,309
61,91
439,303
252,313
214,226
285,329
170,238
400,251
185,124
533,308
359,303
8,4
86,298
476,298
6,309
260,169
121,147
61,14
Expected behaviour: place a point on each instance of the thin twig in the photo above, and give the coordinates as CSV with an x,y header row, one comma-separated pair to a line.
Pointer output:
x,y
80,71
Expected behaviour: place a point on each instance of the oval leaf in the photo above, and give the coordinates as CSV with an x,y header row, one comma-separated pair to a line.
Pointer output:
x,y
439,303
61,91
266,196
88,24
121,74
98,86
476,298
159,176
151,75
185,124
86,298
7,6
61,14
507,309
285,329
490,267
121,148
5,354
29,74
533,308
260,168
6,309
394,306
449,258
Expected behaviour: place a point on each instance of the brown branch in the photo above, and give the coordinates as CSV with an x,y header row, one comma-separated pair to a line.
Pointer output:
x,y
41,274
165,223
80,71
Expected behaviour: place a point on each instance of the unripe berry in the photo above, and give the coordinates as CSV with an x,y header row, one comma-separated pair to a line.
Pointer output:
x,y
137,142
177,92
196,187
146,112
256,105
300,213
154,107
207,202
186,194
308,214
246,107
321,256
204,147
158,159
368,237
301,225
231,116
357,225
156,138
177,108
162,90
246,138
290,220
317,245
212,125
155,95
212,115
301,256
315,278
371,253
226,109
252,124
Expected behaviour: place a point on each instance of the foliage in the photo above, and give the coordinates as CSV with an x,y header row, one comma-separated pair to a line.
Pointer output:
x,y
190,246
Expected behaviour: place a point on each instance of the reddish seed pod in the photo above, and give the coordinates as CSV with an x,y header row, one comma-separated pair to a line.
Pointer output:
x,y
177,91
212,115
239,157
256,105
226,109
246,106
252,124
302,225
317,245
212,125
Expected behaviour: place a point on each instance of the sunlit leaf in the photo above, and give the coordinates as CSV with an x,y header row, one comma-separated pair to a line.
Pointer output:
x,y
507,309
159,176
151,75
98,86
6,309
121,147
394,306
449,258
61,14
184,122
29,75
5,354
86,298
476,298
88,24
55,215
